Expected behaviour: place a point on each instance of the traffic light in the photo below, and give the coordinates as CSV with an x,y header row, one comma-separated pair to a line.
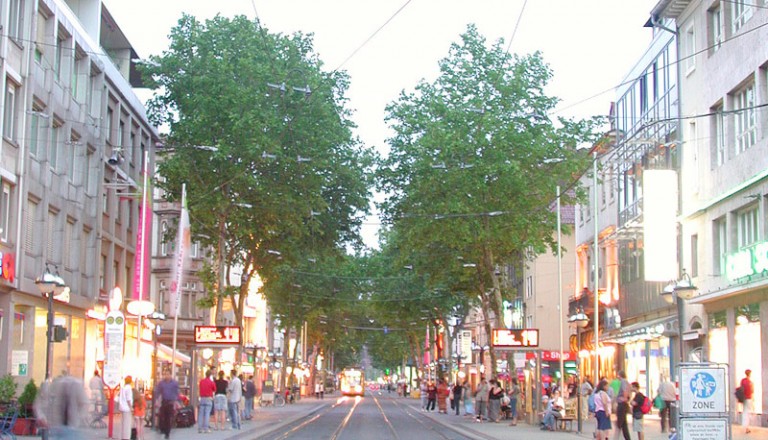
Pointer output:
x,y
59,333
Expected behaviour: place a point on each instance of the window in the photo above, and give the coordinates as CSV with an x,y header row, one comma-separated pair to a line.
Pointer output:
x,y
74,167
59,57
9,121
745,124
29,227
110,116
50,236
42,27
90,182
194,250
694,255
79,66
163,240
718,138
742,12
689,49
53,152
529,321
720,243
529,286
34,131
747,226
16,19
715,28
67,249
102,270
5,211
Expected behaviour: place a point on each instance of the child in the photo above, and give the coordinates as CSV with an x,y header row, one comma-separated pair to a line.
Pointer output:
x,y
637,412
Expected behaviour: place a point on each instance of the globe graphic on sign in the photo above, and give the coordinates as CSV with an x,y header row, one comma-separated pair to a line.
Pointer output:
x,y
703,385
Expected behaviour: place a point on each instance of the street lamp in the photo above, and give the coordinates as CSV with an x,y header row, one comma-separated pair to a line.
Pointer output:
x,y
677,292
580,320
50,285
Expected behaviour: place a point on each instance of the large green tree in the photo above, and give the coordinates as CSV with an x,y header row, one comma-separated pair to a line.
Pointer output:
x,y
474,165
286,183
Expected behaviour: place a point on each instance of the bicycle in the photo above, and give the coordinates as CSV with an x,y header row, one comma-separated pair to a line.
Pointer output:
x,y
277,400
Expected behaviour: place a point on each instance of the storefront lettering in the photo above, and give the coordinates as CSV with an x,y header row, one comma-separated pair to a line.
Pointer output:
x,y
528,337
747,262
211,334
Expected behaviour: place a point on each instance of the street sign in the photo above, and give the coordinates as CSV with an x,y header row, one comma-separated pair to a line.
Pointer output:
x,y
704,429
114,338
703,389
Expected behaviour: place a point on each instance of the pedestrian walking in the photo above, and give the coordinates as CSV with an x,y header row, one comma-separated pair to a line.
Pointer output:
x,y
585,389
514,394
458,391
442,396
669,396
602,410
423,394
622,405
206,389
168,392
249,393
748,388
125,405
431,396
637,410
494,401
234,395
61,407
139,412
481,400
220,402
96,388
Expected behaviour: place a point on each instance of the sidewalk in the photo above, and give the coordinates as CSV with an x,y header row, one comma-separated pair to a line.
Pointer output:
x,y
264,421
469,427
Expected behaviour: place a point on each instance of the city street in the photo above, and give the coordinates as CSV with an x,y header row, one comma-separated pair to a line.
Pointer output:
x,y
384,416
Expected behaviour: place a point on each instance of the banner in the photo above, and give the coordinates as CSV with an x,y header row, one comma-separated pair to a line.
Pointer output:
x,y
141,261
182,251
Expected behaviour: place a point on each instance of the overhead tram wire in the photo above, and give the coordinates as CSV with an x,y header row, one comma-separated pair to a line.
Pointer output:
x,y
354,52
671,63
517,24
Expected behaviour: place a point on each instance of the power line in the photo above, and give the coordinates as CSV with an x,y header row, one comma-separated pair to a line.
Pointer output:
x,y
514,31
354,52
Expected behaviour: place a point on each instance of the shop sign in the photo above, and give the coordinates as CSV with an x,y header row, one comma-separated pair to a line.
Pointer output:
x,y
217,334
552,355
465,345
8,270
747,262
517,338
702,390
704,429
19,362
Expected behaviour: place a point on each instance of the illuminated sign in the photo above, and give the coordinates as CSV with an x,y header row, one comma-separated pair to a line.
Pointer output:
x,y
523,338
217,335
8,269
747,262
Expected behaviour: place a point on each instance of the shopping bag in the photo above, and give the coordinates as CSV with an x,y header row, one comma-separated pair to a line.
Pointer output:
x,y
659,403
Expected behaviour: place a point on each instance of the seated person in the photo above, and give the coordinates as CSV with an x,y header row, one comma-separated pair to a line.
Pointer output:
x,y
556,411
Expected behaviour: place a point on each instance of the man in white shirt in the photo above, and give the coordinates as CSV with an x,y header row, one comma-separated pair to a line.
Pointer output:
x,y
234,394
557,411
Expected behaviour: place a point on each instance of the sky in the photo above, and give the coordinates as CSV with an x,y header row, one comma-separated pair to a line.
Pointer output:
x,y
589,44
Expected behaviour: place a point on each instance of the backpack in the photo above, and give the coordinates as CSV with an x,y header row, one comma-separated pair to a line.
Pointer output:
x,y
740,394
591,403
646,407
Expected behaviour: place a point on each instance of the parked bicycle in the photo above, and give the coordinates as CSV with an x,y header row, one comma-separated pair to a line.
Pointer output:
x,y
277,400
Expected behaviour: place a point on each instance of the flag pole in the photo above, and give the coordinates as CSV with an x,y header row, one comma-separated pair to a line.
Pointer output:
x,y
178,275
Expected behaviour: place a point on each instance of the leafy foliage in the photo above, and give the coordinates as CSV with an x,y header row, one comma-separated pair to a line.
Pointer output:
x,y
287,181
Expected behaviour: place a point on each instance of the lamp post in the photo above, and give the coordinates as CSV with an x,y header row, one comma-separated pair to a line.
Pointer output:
x,y
50,285
678,292
580,320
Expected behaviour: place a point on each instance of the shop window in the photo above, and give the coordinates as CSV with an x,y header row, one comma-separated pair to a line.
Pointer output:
x,y
748,348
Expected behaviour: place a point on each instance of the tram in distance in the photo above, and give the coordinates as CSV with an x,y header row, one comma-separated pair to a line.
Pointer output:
x,y
352,382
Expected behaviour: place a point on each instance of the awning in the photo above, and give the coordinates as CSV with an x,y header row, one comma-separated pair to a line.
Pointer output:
x,y
165,353
645,330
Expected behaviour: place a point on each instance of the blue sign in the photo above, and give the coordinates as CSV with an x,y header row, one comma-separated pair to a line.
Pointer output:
x,y
703,385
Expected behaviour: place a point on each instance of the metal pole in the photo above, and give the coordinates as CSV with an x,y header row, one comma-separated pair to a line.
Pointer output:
x,y
578,372
143,249
560,292
596,267
49,342
680,325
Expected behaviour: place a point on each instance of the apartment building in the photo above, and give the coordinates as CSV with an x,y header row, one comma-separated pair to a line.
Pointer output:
x,y
724,180
73,141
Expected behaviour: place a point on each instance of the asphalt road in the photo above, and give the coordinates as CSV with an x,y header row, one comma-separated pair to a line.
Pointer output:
x,y
371,417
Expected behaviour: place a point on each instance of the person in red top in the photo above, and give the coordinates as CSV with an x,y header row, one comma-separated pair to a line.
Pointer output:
x,y
206,388
749,389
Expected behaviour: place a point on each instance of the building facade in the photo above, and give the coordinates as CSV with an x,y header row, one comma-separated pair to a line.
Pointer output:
x,y
724,89
73,142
